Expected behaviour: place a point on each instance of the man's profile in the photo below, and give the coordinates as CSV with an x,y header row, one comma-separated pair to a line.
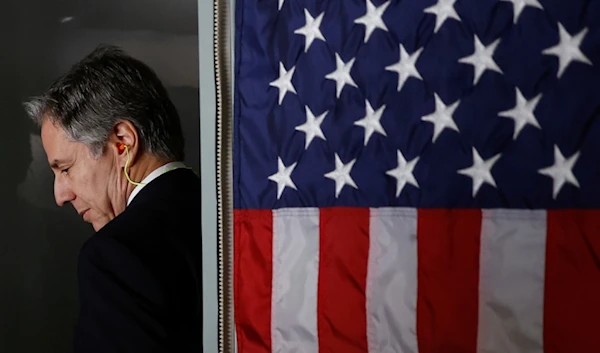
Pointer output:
x,y
114,141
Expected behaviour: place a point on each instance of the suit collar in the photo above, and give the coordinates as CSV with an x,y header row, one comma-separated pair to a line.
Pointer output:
x,y
153,175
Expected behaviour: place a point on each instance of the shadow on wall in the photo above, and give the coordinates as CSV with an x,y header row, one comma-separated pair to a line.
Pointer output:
x,y
39,241
38,249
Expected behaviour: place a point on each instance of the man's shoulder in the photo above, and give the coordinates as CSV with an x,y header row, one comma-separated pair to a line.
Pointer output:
x,y
169,204
134,244
146,232
158,229
139,221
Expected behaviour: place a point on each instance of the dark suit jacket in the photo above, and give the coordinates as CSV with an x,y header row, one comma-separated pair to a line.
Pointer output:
x,y
140,276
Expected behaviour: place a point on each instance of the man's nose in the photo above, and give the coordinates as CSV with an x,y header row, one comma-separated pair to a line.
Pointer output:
x,y
62,192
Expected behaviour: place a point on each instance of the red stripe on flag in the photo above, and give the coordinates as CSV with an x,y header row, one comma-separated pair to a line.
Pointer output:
x,y
448,279
344,252
253,251
572,282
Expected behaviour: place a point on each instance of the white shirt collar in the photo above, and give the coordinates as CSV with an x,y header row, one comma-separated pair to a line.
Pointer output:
x,y
153,175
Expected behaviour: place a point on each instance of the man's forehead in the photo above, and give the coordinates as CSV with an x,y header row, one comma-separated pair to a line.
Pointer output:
x,y
50,129
55,141
53,136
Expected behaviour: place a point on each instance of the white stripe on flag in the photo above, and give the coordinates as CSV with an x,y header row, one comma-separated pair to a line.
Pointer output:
x,y
511,297
392,281
295,276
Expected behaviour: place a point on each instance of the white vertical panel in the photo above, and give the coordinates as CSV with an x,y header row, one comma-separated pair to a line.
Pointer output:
x,y
392,281
512,265
295,279
208,176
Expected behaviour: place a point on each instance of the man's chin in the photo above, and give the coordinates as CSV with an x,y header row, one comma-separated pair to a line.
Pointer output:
x,y
99,224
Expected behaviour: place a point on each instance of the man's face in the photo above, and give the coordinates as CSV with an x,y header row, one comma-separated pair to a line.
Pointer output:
x,y
91,185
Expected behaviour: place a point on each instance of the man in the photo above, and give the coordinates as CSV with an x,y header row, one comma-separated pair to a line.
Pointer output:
x,y
114,142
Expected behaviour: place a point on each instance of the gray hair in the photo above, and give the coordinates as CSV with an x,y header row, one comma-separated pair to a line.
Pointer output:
x,y
105,87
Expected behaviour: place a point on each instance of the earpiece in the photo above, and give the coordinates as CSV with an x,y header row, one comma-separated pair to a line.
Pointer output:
x,y
123,147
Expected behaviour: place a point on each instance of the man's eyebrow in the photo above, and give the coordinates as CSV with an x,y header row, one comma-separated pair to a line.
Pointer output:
x,y
56,163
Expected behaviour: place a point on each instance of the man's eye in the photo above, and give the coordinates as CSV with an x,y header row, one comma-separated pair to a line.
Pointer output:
x,y
66,170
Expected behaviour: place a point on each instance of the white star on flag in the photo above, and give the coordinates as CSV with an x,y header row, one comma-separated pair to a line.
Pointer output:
x,y
405,67
567,50
404,173
312,127
280,4
562,171
519,6
372,19
482,59
441,118
443,10
522,113
341,175
341,75
480,171
283,177
311,30
284,82
371,122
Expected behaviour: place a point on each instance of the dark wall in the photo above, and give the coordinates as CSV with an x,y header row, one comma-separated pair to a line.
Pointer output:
x,y
39,241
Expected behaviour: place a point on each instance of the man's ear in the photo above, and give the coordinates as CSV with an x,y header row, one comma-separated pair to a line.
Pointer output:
x,y
124,140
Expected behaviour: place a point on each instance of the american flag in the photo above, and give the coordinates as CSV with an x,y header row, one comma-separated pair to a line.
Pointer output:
x,y
417,176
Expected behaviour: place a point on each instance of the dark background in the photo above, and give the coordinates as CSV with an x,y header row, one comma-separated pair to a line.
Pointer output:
x,y
39,241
